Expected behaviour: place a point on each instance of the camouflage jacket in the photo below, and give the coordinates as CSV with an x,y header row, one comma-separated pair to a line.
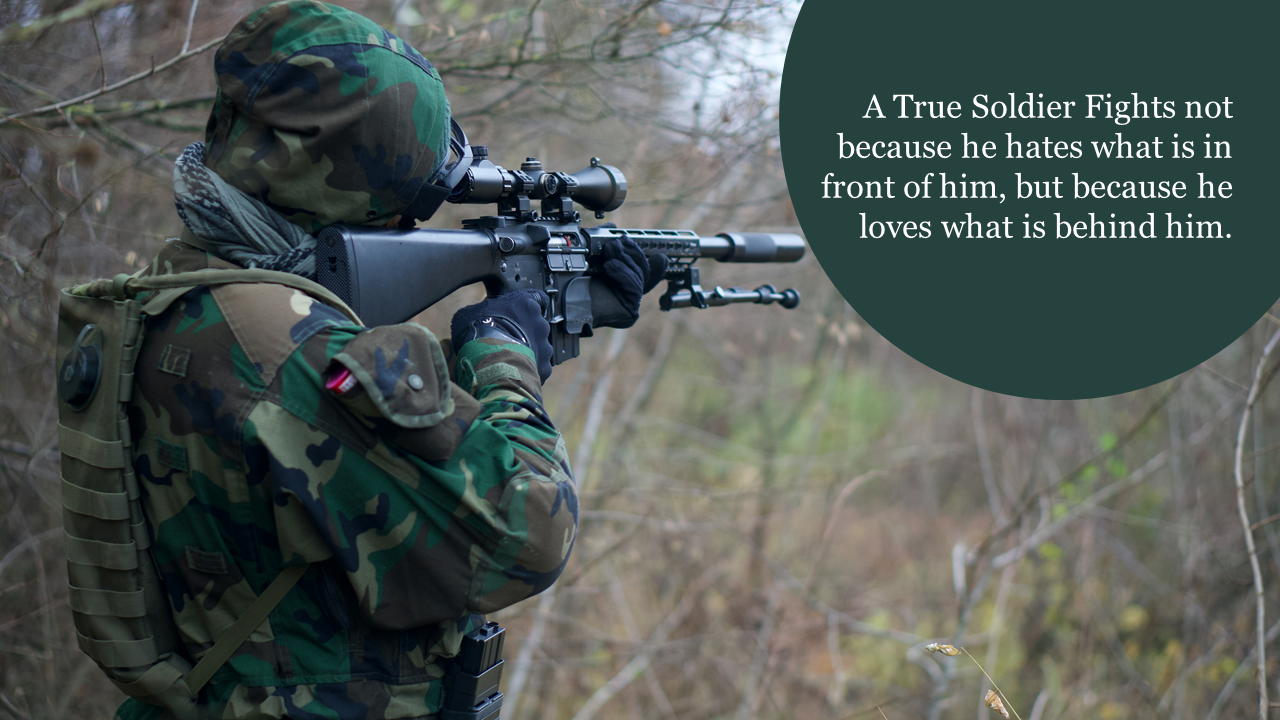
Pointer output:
x,y
420,503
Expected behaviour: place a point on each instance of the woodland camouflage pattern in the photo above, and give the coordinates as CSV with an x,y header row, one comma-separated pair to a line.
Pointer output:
x,y
420,509
325,116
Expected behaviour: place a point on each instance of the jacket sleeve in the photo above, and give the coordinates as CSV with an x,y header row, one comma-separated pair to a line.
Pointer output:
x,y
436,498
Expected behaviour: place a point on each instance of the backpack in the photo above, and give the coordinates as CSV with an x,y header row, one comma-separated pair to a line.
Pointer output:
x,y
121,611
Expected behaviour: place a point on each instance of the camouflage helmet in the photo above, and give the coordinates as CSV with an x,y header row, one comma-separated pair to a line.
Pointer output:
x,y
327,118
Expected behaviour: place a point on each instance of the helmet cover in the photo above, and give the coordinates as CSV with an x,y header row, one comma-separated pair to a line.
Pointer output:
x,y
325,116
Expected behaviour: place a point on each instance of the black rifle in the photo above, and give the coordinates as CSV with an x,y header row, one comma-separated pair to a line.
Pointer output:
x,y
388,276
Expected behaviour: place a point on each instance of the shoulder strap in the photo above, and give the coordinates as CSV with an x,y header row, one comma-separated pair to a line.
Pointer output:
x,y
226,277
189,238
232,639
171,287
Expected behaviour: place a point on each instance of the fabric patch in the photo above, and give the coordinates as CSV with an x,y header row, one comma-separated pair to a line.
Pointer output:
x,y
383,358
491,374
173,360
171,454
209,563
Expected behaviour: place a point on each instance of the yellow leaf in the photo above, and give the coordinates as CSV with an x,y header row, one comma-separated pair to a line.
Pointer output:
x,y
993,701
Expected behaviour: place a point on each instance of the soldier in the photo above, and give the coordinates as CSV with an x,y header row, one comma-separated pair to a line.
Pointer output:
x,y
421,486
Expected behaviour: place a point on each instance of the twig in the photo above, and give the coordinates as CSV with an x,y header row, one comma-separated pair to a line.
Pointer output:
x,y
1266,521
57,107
763,650
640,662
838,676
666,339
44,242
26,86
29,544
1261,505
524,41
191,21
834,514
984,458
595,410
1037,708
1032,499
38,611
994,685
119,137
595,415
1156,462
16,32
524,660
17,170
1230,685
633,634
11,707
997,616
136,108
1222,378
1255,389
101,62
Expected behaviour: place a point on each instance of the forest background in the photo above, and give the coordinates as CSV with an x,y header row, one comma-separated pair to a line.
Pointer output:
x,y
779,509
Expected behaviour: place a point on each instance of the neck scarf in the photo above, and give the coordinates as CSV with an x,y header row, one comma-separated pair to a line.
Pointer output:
x,y
235,226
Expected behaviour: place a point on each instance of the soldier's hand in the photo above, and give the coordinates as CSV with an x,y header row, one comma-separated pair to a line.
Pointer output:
x,y
514,317
629,274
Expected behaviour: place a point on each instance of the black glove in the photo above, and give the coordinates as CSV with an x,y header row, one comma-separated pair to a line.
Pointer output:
x,y
629,275
514,317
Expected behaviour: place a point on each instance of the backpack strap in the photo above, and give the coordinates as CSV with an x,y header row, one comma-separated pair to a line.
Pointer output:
x,y
195,278
172,287
169,288
232,639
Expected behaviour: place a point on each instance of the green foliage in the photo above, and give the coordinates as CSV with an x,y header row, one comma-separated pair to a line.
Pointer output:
x,y
1049,551
1107,442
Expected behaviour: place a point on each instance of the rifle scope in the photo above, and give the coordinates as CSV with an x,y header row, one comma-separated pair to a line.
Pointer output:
x,y
600,188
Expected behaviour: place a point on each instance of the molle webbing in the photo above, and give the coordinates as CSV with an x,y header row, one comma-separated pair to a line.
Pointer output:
x,y
122,616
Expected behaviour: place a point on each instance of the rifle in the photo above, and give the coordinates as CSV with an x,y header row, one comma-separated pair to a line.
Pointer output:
x,y
388,276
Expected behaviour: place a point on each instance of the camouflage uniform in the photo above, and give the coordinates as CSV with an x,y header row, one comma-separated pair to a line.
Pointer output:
x,y
420,502
418,507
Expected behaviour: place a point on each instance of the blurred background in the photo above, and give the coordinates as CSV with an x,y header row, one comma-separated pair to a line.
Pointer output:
x,y
779,509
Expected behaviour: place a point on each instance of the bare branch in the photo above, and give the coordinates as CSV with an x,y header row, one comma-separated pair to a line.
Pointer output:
x,y
984,459
1255,390
31,543
56,107
191,21
18,33
524,41
27,183
102,63
1148,468
44,242
1032,499
1241,669
640,662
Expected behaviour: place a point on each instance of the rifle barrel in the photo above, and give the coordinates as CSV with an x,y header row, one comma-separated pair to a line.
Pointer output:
x,y
753,247
725,247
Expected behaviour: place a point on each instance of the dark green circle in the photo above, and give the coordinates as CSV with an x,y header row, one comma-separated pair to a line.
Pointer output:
x,y
1045,318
